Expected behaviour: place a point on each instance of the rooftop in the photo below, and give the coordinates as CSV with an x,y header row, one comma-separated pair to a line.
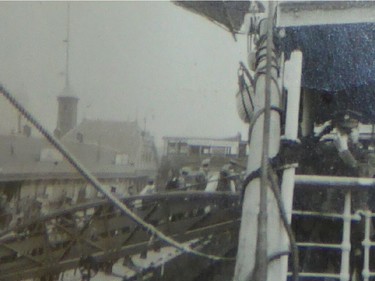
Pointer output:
x,y
123,137
20,158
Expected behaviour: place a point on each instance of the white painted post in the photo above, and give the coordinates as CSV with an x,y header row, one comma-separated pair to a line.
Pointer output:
x,y
366,243
248,231
292,78
345,245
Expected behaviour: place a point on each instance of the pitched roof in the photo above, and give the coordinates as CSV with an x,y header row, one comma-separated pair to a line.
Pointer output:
x,y
20,158
124,137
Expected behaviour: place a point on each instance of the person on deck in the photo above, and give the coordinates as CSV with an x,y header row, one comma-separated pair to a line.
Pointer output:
x,y
149,188
203,176
222,181
358,160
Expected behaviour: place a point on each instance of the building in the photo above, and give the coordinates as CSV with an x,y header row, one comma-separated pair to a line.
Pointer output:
x,y
133,145
189,152
228,147
35,178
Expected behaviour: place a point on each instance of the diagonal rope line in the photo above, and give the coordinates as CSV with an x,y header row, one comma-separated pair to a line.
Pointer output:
x,y
87,175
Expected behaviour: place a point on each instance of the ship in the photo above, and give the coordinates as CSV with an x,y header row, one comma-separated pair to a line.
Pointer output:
x,y
304,209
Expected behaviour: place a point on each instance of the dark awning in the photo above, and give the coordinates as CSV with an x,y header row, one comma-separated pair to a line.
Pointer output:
x,y
335,57
338,61
229,14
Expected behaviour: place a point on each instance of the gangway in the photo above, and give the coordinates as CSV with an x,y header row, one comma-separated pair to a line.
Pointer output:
x,y
57,242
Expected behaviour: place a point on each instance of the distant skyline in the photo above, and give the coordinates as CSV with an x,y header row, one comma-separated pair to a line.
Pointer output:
x,y
152,61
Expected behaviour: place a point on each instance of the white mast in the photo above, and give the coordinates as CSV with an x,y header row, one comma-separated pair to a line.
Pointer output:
x,y
258,237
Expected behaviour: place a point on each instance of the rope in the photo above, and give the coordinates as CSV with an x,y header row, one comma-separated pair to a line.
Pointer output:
x,y
274,80
87,175
280,204
284,218
256,116
248,75
265,172
244,87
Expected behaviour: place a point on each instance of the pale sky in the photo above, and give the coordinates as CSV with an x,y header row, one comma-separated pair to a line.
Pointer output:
x,y
151,59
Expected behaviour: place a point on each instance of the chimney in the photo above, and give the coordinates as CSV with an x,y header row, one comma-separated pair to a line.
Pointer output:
x,y
67,114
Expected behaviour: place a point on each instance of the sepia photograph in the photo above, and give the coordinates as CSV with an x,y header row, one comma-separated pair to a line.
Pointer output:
x,y
187,140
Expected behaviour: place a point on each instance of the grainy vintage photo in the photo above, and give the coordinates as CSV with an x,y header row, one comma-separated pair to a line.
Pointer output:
x,y
187,140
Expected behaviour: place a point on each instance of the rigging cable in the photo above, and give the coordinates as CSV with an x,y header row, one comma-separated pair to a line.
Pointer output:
x,y
280,204
87,175
272,177
245,90
261,263
265,172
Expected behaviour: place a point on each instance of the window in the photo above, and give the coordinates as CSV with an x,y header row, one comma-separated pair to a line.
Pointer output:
x,y
218,150
50,155
184,149
122,159
172,147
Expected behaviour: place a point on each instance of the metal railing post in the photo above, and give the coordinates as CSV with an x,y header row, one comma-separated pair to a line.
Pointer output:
x,y
366,243
345,245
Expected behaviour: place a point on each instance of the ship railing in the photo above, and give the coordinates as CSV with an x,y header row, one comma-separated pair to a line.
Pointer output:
x,y
342,263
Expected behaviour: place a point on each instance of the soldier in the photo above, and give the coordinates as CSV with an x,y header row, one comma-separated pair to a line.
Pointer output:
x,y
183,179
149,188
345,156
226,179
203,175
357,160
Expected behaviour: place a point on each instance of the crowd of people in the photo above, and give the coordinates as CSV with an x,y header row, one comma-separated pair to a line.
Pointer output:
x,y
228,178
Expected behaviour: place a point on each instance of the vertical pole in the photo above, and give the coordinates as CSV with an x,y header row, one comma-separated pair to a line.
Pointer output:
x,y
345,245
366,247
257,242
293,72
67,45
261,254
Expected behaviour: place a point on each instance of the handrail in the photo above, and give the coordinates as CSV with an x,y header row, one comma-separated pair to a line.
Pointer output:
x,y
334,182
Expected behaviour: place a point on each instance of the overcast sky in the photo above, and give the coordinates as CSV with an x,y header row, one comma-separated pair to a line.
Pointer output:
x,y
151,59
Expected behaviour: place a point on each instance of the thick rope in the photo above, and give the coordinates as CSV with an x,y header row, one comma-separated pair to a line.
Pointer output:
x,y
272,177
87,175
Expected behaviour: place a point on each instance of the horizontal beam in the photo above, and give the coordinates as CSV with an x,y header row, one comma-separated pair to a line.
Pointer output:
x,y
302,13
178,196
334,182
6,176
